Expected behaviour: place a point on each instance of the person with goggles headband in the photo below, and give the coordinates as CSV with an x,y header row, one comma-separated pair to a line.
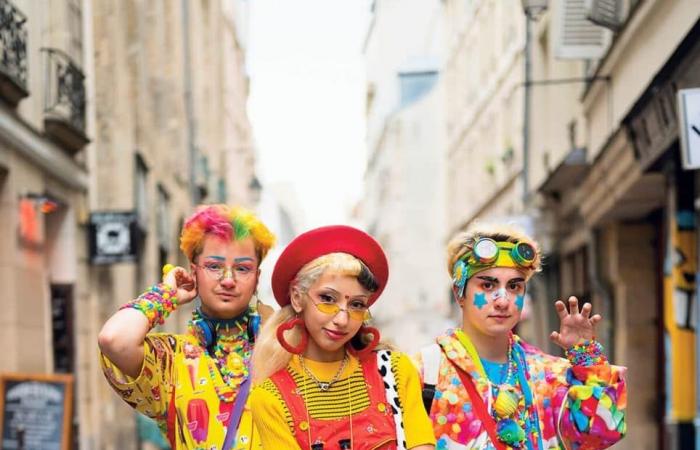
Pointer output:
x,y
484,387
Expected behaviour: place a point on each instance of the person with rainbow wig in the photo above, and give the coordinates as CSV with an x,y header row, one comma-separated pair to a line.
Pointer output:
x,y
486,388
195,385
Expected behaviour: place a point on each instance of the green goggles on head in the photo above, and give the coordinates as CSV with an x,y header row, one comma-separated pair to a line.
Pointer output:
x,y
487,253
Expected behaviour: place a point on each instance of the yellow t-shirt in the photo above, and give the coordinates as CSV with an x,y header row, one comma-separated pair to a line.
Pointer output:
x,y
176,364
274,423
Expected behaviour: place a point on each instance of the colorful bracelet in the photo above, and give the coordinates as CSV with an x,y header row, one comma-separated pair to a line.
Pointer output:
x,y
156,303
588,353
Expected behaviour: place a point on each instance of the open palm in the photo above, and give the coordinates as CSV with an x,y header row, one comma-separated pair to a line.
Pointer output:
x,y
576,326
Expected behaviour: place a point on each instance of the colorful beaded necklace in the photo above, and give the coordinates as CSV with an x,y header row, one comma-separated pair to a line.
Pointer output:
x,y
510,426
230,354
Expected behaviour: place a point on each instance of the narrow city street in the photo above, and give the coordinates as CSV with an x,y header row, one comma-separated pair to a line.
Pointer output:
x,y
196,192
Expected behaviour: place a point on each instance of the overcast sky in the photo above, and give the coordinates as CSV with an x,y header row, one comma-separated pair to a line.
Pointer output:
x,y
307,100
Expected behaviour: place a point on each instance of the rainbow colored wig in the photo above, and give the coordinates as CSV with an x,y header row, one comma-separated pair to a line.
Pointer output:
x,y
230,223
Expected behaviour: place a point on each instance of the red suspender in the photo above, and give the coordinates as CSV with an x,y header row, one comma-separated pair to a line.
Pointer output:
x,y
479,407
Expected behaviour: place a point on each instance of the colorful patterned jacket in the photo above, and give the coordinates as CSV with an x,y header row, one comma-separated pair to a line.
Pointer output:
x,y
577,407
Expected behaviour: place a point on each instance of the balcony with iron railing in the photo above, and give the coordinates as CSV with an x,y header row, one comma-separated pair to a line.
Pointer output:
x,y
64,105
13,53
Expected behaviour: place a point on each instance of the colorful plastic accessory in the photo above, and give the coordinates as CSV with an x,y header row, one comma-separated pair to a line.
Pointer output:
x,y
588,353
486,253
156,303
370,346
288,325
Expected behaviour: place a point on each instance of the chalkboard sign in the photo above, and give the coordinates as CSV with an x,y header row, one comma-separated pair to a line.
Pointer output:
x,y
35,411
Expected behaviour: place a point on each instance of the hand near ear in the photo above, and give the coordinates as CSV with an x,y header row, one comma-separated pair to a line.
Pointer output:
x,y
183,281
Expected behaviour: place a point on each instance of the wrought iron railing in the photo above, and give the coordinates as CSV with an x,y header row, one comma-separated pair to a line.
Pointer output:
x,y
65,89
13,43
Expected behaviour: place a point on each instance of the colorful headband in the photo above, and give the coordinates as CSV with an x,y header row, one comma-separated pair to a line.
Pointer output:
x,y
487,253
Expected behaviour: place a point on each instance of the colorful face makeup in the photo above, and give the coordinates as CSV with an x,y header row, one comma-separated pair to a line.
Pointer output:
x,y
333,310
495,301
480,300
227,276
499,293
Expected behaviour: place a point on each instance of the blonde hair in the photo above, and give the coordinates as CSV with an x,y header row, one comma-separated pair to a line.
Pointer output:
x,y
463,243
269,356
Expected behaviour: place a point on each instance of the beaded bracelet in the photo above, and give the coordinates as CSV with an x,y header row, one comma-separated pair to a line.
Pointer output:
x,y
588,353
156,303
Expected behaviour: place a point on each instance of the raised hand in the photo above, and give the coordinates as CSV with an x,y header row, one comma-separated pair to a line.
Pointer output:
x,y
184,282
576,326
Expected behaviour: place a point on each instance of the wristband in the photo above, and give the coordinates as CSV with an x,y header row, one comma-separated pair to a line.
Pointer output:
x,y
587,353
156,303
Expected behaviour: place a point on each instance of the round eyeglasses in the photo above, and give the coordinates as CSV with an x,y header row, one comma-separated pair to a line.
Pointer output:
x,y
218,272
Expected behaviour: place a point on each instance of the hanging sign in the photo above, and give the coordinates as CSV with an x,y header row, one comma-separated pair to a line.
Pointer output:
x,y
113,237
689,127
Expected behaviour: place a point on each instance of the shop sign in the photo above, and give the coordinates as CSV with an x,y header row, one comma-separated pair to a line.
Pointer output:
x,y
689,119
113,237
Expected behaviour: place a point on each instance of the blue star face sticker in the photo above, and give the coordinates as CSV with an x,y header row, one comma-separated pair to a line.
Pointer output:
x,y
480,300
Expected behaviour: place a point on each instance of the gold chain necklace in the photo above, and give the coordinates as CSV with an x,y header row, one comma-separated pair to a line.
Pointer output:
x,y
306,407
324,385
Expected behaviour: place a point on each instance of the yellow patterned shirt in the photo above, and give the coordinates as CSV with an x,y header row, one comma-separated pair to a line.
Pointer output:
x,y
178,387
274,422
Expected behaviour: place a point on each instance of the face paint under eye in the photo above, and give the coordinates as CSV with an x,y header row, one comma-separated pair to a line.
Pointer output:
x,y
520,302
479,300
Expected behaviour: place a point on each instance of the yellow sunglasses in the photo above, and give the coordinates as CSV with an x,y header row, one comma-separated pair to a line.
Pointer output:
x,y
355,312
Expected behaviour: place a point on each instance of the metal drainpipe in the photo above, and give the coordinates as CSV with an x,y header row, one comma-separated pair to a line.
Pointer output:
x,y
599,287
189,107
526,111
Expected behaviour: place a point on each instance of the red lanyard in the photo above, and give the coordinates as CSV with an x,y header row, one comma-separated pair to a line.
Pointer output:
x,y
479,407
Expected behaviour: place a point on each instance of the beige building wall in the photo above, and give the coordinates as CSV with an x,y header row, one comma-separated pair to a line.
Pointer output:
x,y
42,249
404,200
596,202
485,120
171,90
484,41
144,99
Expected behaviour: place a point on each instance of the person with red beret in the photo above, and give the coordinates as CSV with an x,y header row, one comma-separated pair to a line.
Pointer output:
x,y
322,379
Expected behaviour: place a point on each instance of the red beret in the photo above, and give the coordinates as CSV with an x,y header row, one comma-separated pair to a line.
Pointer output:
x,y
321,241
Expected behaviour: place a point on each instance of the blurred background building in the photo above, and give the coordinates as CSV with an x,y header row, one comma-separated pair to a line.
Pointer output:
x,y
117,118
404,200
562,116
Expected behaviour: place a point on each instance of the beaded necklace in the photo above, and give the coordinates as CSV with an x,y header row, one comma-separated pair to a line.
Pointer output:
x,y
230,355
509,424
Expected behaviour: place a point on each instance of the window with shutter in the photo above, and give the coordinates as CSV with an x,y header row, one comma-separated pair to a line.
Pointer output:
x,y
576,37
606,13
